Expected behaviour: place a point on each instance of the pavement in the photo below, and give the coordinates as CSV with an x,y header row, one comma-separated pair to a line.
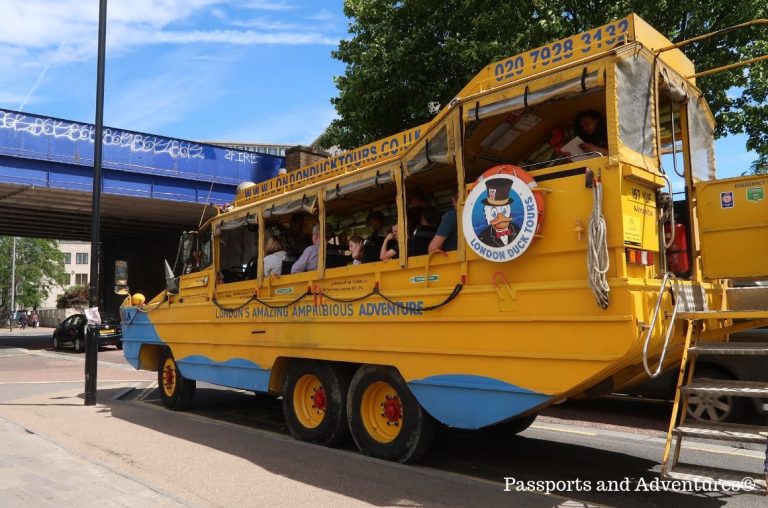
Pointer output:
x,y
58,452
129,451
37,472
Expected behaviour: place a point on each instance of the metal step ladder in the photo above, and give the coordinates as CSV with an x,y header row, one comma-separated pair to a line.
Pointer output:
x,y
750,304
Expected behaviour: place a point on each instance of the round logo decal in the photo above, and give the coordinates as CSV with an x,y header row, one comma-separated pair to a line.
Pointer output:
x,y
501,215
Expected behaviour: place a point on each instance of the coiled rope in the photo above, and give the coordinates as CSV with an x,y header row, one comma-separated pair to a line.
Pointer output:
x,y
597,249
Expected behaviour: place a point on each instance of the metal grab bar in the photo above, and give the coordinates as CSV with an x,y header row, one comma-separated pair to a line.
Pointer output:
x,y
670,327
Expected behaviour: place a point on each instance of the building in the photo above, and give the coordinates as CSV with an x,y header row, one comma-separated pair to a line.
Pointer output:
x,y
77,263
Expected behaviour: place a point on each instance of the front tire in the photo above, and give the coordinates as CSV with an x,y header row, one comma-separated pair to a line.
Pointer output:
x,y
78,345
55,343
314,402
385,419
176,391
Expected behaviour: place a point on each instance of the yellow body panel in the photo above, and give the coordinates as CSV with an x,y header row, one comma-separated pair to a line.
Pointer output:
x,y
733,220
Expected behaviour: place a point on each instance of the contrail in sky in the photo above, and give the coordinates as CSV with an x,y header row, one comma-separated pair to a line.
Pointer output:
x,y
34,87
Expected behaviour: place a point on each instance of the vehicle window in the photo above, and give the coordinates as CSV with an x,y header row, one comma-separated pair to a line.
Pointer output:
x,y
291,238
428,209
362,221
558,124
701,134
238,249
196,250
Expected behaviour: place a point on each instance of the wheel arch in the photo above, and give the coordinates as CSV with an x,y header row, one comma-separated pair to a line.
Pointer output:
x,y
280,369
149,356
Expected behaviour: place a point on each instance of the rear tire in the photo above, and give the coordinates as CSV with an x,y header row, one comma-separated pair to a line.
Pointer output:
x,y
314,402
176,391
385,419
77,345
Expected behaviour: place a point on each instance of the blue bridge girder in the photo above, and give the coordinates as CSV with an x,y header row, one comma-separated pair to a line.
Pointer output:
x,y
151,183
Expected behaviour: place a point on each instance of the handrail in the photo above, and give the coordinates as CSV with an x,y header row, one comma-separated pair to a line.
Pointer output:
x,y
429,260
712,34
728,67
670,326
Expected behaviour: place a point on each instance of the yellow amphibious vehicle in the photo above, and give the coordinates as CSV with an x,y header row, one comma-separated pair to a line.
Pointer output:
x,y
550,279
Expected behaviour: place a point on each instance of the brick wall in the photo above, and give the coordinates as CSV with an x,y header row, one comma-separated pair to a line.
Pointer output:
x,y
300,156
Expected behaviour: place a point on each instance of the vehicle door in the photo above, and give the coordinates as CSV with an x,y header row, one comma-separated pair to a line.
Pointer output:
x,y
65,333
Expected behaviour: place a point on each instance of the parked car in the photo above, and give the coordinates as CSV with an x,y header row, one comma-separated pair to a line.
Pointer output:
x,y
71,333
716,409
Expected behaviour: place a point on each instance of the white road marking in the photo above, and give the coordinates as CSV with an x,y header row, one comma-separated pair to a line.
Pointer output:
x,y
567,431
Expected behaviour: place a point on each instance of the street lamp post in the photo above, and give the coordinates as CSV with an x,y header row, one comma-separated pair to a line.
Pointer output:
x,y
13,285
91,343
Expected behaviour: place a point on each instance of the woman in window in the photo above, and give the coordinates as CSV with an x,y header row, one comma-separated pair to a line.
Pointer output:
x,y
390,249
275,254
590,126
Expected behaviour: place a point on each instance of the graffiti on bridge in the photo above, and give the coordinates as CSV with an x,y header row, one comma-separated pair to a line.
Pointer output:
x,y
73,131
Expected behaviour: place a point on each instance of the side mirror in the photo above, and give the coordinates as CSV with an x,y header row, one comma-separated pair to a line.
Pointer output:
x,y
121,277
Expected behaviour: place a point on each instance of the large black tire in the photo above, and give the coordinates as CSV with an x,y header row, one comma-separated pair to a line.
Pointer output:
x,y
385,419
315,401
55,342
176,391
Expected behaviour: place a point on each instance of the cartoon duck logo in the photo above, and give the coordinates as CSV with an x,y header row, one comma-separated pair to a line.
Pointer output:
x,y
498,214
501,214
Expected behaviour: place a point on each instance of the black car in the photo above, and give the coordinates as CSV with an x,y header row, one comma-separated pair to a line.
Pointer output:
x,y
71,333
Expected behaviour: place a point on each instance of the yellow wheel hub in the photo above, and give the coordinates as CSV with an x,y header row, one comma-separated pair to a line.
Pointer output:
x,y
309,401
382,412
169,377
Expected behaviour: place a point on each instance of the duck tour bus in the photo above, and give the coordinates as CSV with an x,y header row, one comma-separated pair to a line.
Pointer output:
x,y
506,256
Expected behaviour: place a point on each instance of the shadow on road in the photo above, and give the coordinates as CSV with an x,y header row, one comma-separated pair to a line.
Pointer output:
x,y
475,454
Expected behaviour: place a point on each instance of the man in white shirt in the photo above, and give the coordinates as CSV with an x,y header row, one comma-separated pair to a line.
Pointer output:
x,y
307,262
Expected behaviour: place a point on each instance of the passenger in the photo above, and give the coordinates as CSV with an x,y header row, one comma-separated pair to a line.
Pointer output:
x,y
590,126
357,249
307,262
375,240
446,237
416,207
343,238
376,222
275,255
419,243
297,240
390,249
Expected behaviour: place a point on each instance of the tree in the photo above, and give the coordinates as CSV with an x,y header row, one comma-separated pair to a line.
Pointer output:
x,y
39,269
404,56
75,297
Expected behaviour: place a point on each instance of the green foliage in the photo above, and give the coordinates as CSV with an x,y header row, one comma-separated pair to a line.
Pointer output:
x,y
39,269
404,56
75,297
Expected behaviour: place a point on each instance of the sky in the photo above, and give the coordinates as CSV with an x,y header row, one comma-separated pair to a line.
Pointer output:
x,y
235,70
